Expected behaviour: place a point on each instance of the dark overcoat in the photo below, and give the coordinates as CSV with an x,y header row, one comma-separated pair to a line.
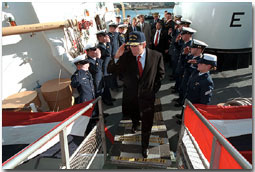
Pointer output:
x,y
139,93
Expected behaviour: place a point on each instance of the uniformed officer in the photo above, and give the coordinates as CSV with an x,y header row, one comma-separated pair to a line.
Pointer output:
x,y
95,67
200,84
186,22
83,81
190,64
175,33
118,19
177,18
113,34
122,33
105,48
114,40
182,44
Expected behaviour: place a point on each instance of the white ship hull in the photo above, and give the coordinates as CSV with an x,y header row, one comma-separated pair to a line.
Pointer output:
x,y
225,26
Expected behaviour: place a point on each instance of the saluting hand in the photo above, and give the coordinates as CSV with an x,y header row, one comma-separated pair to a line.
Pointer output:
x,y
186,50
108,38
193,61
178,38
120,51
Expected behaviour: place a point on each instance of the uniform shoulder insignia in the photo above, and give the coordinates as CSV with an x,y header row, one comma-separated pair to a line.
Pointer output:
x,y
208,92
196,83
108,46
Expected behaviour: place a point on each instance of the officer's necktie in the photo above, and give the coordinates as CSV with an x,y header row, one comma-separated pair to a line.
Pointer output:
x,y
156,40
140,66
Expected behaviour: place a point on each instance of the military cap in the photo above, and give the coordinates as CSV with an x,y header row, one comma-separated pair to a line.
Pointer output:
x,y
118,16
178,16
122,25
177,22
113,24
136,38
198,44
90,46
101,32
80,59
187,30
185,21
208,59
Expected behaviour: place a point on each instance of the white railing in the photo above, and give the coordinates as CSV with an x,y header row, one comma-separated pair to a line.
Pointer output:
x,y
217,138
61,130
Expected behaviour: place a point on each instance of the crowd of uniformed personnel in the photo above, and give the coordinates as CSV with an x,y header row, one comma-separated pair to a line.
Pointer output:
x,y
171,36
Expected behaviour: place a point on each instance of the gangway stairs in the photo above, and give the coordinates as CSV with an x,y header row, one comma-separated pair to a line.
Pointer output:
x,y
126,150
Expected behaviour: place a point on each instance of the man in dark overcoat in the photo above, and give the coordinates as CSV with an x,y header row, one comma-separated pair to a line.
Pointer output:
x,y
142,70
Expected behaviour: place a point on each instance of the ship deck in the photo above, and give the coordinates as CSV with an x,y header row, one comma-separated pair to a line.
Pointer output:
x,y
125,152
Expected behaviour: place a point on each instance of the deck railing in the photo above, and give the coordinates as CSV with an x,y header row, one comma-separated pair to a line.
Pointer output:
x,y
217,142
61,130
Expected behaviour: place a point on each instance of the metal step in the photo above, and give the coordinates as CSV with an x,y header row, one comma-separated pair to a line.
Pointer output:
x,y
126,151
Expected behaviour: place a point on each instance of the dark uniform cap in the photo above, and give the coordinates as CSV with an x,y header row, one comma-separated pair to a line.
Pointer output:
x,y
113,24
81,59
198,44
185,21
101,32
136,37
209,59
178,16
187,30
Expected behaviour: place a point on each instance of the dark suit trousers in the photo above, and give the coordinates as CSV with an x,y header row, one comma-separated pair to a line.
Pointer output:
x,y
147,122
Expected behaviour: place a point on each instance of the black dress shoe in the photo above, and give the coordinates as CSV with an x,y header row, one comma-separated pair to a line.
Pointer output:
x,y
134,128
179,116
106,115
174,91
176,99
108,103
179,122
173,87
178,105
145,152
113,99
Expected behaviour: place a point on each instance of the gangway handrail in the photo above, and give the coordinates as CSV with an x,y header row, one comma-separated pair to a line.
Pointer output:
x,y
27,152
233,152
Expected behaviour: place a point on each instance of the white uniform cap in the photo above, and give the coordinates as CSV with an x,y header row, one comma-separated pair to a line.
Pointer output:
x,y
123,25
90,45
79,58
178,22
186,21
209,59
103,32
188,29
118,16
198,44
113,24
